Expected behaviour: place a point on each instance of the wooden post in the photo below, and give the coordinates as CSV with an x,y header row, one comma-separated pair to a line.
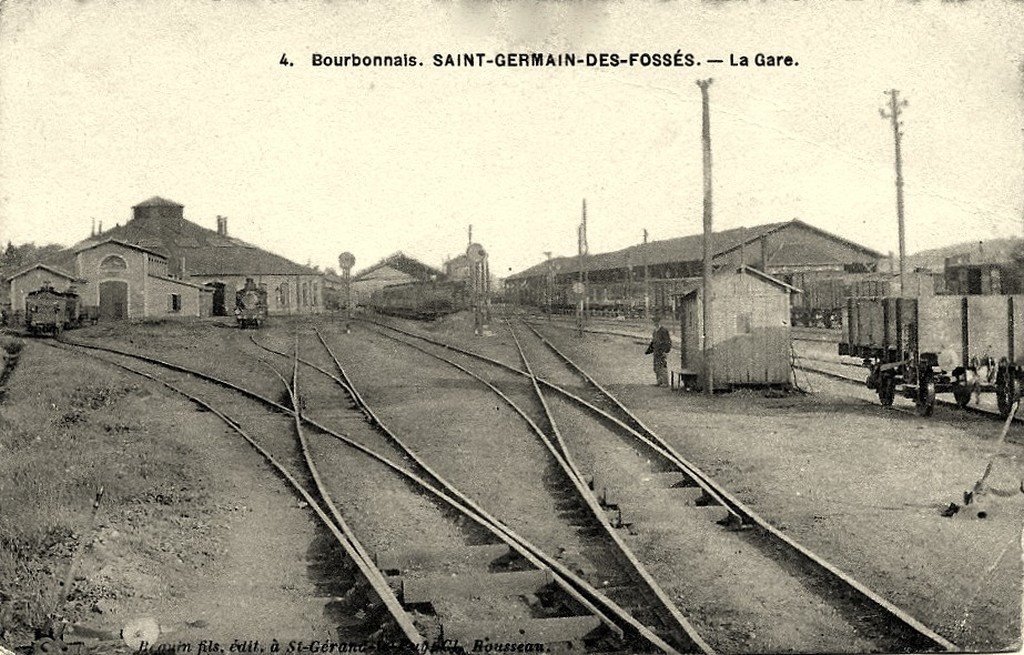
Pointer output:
x,y
895,109
647,281
707,272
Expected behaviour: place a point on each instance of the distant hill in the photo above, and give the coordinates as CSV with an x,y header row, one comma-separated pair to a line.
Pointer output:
x,y
990,250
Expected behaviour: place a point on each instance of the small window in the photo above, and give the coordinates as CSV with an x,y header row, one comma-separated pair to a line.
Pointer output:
x,y
175,302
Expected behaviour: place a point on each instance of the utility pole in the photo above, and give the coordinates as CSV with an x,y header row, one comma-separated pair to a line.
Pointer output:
x,y
706,143
346,261
627,295
549,288
647,281
895,109
586,273
581,287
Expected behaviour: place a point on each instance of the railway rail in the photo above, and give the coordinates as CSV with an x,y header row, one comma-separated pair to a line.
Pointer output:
x,y
667,621
314,495
621,631
913,635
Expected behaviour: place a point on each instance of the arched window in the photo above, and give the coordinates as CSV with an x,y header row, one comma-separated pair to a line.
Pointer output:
x,y
284,294
113,263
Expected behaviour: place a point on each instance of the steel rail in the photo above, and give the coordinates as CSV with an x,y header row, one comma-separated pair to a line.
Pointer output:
x,y
569,465
562,457
747,514
341,532
710,492
574,586
314,472
894,611
357,397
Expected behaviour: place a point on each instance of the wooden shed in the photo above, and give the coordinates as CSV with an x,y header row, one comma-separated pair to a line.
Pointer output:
x,y
751,339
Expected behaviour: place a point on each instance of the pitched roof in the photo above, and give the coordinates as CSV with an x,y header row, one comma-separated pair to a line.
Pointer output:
x,y
695,284
679,249
206,252
401,262
181,282
157,201
89,245
52,269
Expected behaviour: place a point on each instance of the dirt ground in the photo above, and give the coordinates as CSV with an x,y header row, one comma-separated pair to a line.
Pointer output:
x,y
208,551
860,485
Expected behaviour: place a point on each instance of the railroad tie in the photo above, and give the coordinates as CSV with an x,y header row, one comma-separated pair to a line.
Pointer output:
x,y
393,562
426,588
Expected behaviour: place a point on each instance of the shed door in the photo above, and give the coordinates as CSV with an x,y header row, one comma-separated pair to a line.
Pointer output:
x,y
113,300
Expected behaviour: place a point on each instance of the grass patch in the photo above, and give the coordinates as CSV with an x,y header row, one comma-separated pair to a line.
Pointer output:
x,y
68,427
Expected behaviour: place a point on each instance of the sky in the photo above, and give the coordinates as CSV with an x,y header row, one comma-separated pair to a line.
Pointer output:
x,y
105,104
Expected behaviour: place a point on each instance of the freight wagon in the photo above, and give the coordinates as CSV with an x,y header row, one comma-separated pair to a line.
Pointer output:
x,y
918,347
824,296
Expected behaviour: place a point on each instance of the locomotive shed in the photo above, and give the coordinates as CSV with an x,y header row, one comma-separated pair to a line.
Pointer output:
x,y
859,485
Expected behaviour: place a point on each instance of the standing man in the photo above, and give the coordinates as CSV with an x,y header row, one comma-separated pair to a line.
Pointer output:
x,y
661,344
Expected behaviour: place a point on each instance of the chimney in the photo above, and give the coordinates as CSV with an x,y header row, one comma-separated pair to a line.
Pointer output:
x,y
93,233
222,225
101,229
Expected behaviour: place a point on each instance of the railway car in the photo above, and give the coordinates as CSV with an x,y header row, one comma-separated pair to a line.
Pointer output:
x,y
918,347
250,305
422,300
48,311
823,301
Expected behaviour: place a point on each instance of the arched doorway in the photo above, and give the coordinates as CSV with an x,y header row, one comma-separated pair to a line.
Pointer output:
x,y
113,300
218,298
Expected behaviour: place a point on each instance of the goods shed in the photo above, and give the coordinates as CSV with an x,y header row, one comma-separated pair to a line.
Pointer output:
x,y
750,330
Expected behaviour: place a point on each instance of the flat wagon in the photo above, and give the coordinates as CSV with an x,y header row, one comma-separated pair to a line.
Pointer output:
x,y
918,347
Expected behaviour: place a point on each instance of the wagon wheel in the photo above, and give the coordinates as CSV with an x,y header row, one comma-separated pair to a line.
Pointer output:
x,y
926,398
1003,391
1007,393
886,390
962,396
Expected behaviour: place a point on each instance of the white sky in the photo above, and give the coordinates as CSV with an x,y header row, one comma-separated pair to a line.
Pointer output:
x,y
103,105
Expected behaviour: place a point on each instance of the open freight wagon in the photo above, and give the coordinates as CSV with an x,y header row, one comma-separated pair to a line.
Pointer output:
x,y
918,347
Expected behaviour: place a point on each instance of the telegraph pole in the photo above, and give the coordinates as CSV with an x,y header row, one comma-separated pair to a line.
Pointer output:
x,y
706,143
586,273
347,260
895,109
549,287
647,282
581,288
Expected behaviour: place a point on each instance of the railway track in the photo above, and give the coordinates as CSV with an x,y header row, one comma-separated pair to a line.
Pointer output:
x,y
883,618
606,559
559,609
365,591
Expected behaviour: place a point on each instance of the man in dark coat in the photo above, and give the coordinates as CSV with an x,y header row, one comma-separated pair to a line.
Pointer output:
x,y
661,344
